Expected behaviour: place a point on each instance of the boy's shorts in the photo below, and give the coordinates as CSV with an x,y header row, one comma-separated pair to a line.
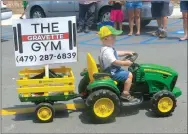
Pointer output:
x,y
121,75
134,5
184,6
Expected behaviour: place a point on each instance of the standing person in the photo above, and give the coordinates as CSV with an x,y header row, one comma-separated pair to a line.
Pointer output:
x,y
116,14
134,9
24,4
87,10
160,11
184,10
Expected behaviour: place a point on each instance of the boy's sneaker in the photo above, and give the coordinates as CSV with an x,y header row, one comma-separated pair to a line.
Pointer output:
x,y
129,98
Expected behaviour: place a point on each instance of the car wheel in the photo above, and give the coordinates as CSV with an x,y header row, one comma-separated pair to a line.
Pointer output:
x,y
105,14
145,23
37,12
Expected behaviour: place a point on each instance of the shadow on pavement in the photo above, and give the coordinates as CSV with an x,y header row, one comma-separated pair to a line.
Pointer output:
x,y
31,116
84,117
125,111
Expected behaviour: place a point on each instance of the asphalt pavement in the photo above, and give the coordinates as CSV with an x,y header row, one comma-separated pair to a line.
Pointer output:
x,y
136,119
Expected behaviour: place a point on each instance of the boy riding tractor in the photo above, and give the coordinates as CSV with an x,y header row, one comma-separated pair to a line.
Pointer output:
x,y
103,92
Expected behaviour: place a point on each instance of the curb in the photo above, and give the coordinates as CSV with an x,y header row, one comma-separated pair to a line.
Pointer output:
x,y
175,15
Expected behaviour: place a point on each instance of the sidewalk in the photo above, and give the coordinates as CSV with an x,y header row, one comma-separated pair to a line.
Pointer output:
x,y
176,14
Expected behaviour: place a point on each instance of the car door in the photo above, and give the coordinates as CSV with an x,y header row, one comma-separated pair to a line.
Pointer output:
x,y
61,8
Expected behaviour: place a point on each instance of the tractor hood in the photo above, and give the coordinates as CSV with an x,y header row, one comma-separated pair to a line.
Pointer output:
x,y
159,69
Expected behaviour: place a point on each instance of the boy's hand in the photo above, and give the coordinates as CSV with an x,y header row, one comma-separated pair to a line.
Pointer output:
x,y
129,63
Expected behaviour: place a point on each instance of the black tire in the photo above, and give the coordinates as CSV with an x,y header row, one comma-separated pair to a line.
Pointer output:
x,y
102,94
157,97
145,23
51,110
103,12
83,86
39,10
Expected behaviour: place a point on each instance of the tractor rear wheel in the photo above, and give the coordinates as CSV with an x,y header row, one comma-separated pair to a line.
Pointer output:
x,y
163,103
103,105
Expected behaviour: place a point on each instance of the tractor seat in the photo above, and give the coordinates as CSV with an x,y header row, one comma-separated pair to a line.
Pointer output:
x,y
93,71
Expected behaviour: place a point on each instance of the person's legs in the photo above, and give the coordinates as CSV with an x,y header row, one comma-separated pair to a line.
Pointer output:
x,y
130,8
120,26
184,10
131,20
185,27
90,17
164,21
82,13
138,7
23,13
120,18
159,22
156,13
137,19
164,14
115,25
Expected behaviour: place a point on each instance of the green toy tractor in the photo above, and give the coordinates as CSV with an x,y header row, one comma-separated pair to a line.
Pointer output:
x,y
102,94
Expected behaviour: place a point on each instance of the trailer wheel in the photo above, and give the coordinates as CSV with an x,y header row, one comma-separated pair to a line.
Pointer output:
x,y
103,105
44,112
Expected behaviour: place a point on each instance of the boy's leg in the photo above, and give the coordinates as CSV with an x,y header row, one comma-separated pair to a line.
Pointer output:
x,y
123,75
127,84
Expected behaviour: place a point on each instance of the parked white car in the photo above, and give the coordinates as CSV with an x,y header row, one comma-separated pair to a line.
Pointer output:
x,y
6,13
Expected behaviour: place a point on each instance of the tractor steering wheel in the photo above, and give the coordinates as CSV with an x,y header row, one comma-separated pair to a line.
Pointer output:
x,y
132,58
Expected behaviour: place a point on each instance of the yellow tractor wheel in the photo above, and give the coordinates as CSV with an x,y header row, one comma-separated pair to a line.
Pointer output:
x,y
103,105
44,112
163,103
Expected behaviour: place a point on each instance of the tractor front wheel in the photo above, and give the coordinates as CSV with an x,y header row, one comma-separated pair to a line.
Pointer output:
x,y
163,103
103,105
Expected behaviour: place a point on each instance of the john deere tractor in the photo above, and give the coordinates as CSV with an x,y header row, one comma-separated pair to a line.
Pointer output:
x,y
102,94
